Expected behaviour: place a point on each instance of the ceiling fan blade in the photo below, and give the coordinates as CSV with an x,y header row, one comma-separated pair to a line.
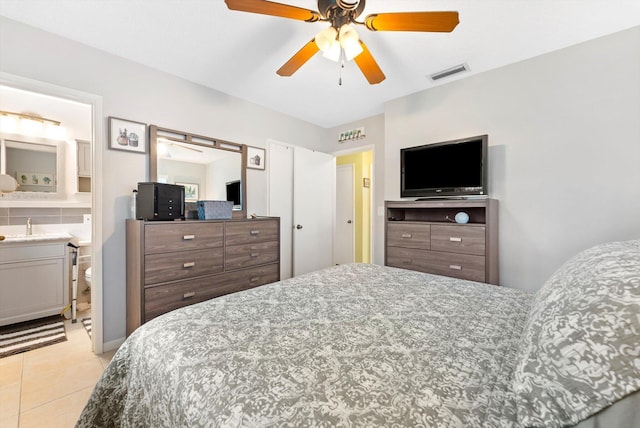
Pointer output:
x,y
298,60
274,9
369,66
443,22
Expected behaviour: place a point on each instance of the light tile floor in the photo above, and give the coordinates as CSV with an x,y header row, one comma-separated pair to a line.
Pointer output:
x,y
48,387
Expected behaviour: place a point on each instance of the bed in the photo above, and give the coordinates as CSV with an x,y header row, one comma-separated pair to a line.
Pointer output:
x,y
367,345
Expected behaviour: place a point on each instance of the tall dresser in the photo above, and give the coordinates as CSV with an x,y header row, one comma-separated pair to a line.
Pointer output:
x,y
171,264
423,236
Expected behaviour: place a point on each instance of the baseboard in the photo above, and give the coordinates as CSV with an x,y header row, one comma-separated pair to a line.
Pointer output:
x,y
112,344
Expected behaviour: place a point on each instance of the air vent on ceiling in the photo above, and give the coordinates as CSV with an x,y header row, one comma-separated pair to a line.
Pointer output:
x,y
449,71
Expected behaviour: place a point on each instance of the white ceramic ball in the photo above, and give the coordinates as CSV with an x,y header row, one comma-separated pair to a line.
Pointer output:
x,y
462,217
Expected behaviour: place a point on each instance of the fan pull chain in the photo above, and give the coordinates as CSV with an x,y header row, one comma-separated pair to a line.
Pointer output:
x,y
341,62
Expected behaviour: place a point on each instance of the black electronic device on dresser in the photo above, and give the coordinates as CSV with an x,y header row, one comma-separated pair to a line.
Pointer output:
x,y
160,201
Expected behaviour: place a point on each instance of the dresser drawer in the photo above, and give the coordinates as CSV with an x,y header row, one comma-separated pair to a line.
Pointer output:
x,y
408,235
464,266
164,238
166,267
165,298
249,278
247,232
458,239
246,255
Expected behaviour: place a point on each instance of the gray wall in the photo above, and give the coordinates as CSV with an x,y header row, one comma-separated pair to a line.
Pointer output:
x,y
139,93
564,135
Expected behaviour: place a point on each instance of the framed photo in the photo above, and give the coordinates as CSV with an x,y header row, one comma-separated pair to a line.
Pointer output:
x,y
190,191
127,135
255,158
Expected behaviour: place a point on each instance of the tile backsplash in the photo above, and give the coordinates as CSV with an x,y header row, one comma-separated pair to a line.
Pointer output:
x,y
19,216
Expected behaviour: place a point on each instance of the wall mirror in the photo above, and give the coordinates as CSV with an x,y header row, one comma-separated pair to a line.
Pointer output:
x,y
208,168
36,164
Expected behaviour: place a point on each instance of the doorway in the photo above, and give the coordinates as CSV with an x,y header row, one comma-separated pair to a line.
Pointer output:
x,y
361,164
55,99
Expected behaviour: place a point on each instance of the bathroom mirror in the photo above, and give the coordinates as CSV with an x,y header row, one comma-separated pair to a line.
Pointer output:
x,y
36,164
208,168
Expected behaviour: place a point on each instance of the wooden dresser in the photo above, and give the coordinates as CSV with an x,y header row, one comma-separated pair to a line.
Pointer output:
x,y
422,236
171,264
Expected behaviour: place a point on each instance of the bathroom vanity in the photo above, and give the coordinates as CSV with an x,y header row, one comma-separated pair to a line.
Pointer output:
x,y
34,277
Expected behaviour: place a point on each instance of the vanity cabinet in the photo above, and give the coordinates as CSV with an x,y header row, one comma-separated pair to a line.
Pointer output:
x,y
423,236
34,279
171,264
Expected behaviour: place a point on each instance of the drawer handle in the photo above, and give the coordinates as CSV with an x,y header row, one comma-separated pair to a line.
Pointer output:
x,y
455,239
254,254
188,264
255,232
189,295
254,279
188,237
406,262
455,267
406,235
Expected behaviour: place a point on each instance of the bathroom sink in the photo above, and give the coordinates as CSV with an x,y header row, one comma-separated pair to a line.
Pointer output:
x,y
36,237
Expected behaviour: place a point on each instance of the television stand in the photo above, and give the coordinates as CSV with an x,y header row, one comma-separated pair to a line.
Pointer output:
x,y
421,235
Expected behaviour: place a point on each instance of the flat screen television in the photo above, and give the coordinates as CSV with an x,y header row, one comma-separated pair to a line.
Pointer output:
x,y
447,169
233,192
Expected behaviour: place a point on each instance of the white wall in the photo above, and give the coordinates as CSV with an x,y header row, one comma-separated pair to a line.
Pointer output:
x,y
564,135
138,93
563,129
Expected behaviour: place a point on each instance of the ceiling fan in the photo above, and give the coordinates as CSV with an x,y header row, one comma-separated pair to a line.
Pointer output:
x,y
340,41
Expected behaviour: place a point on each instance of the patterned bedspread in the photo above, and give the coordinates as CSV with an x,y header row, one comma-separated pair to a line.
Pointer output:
x,y
352,345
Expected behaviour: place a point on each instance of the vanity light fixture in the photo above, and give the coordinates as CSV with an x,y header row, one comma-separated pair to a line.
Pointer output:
x,y
31,124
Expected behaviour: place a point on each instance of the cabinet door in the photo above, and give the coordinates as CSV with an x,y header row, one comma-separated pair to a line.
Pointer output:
x,y
84,159
31,290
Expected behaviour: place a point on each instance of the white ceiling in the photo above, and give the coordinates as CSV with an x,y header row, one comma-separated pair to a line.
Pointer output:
x,y
238,53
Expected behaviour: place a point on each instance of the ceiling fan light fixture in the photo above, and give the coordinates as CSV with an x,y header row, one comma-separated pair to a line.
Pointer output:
x,y
350,42
326,38
333,53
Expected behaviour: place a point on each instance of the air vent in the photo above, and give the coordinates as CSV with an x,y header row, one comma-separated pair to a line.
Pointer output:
x,y
449,71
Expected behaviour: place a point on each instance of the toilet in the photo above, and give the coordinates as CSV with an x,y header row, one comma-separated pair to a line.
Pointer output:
x,y
87,276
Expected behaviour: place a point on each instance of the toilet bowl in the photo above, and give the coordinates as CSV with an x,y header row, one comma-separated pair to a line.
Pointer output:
x,y
87,277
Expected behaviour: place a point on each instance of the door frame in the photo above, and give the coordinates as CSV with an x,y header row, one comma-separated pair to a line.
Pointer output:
x,y
372,200
95,101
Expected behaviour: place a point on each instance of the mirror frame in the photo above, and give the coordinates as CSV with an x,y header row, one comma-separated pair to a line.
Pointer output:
x,y
61,170
156,132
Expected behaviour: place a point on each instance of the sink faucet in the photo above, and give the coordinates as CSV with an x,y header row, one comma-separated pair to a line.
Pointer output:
x,y
29,227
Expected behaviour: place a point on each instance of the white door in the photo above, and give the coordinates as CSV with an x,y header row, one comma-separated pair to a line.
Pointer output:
x,y
313,210
280,167
344,232
301,193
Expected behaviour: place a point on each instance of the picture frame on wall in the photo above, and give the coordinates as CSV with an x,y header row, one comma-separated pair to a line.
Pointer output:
x,y
127,135
256,158
190,191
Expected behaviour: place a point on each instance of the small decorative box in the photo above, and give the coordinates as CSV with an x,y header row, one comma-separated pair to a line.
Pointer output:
x,y
214,210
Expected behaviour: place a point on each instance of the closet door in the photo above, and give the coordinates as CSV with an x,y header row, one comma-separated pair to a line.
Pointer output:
x,y
313,210
301,193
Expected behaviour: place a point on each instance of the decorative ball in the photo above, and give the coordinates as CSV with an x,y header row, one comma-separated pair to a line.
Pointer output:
x,y
462,217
